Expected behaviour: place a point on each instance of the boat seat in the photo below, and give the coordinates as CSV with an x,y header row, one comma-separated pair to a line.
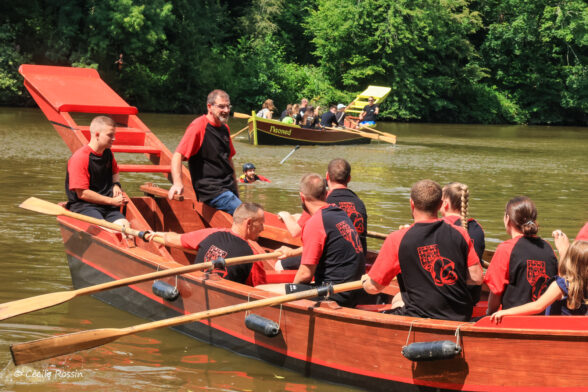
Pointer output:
x,y
136,149
124,136
567,323
145,168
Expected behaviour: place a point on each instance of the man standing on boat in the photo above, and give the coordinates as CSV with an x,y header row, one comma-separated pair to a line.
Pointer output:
x,y
437,261
369,114
239,240
209,150
332,251
92,180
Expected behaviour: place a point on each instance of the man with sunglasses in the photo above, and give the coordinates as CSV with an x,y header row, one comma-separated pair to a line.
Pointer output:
x,y
208,148
369,114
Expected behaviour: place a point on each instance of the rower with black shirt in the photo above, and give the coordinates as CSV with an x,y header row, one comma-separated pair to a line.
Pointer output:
x,y
436,261
239,240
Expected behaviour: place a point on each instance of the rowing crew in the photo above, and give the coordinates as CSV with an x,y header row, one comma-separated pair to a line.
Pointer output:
x,y
435,260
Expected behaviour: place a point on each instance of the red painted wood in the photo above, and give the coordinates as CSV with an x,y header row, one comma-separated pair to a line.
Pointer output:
x,y
145,168
136,149
75,89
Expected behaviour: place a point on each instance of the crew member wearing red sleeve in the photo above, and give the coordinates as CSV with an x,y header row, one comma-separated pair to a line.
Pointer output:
x,y
92,180
338,176
436,261
237,241
522,266
209,150
332,251
583,233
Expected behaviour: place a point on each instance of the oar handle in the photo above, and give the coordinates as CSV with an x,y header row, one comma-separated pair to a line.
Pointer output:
x,y
173,271
375,234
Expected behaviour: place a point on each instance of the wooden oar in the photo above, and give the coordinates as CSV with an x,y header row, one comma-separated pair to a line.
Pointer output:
x,y
240,131
241,115
28,305
66,344
375,131
48,208
374,234
391,139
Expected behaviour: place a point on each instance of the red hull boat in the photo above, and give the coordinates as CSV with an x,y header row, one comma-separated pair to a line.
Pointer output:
x,y
320,339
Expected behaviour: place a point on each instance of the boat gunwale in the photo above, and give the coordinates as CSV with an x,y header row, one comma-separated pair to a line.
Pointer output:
x,y
327,309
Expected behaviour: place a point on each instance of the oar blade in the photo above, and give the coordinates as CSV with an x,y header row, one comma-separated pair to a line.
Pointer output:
x,y
241,115
44,207
55,346
27,305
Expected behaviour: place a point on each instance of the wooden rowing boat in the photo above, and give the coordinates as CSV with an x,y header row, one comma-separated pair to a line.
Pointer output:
x,y
319,339
273,132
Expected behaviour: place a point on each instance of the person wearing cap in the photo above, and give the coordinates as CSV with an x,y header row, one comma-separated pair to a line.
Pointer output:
x,y
340,115
249,175
328,119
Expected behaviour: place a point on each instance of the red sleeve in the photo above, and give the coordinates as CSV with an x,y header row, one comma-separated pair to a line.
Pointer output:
x,y
262,178
497,274
313,239
231,146
387,264
473,258
77,168
193,239
114,166
583,233
193,137
303,219
257,274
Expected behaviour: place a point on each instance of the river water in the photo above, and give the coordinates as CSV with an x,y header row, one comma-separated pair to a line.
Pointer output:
x,y
548,164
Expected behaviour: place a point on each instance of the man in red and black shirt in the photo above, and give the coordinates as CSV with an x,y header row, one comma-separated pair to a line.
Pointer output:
x,y
332,251
237,241
338,176
209,150
92,180
436,261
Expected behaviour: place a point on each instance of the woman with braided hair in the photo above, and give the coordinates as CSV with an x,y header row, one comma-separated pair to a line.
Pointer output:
x,y
523,265
455,211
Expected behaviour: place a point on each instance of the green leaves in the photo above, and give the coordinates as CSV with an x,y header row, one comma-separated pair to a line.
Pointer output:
x,y
446,60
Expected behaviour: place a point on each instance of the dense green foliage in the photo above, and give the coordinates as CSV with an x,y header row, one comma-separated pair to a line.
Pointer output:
x,y
486,61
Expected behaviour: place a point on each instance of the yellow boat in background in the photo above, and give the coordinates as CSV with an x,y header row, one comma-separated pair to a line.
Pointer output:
x,y
378,92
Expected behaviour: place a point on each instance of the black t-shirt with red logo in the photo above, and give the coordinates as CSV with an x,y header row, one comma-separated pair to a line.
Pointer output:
x,y
214,243
433,259
87,169
209,150
332,244
348,201
475,232
520,270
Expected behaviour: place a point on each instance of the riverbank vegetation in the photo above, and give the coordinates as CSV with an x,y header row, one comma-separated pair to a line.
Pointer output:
x,y
483,61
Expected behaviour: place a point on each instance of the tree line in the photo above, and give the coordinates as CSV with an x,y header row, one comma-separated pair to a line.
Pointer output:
x,y
480,61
